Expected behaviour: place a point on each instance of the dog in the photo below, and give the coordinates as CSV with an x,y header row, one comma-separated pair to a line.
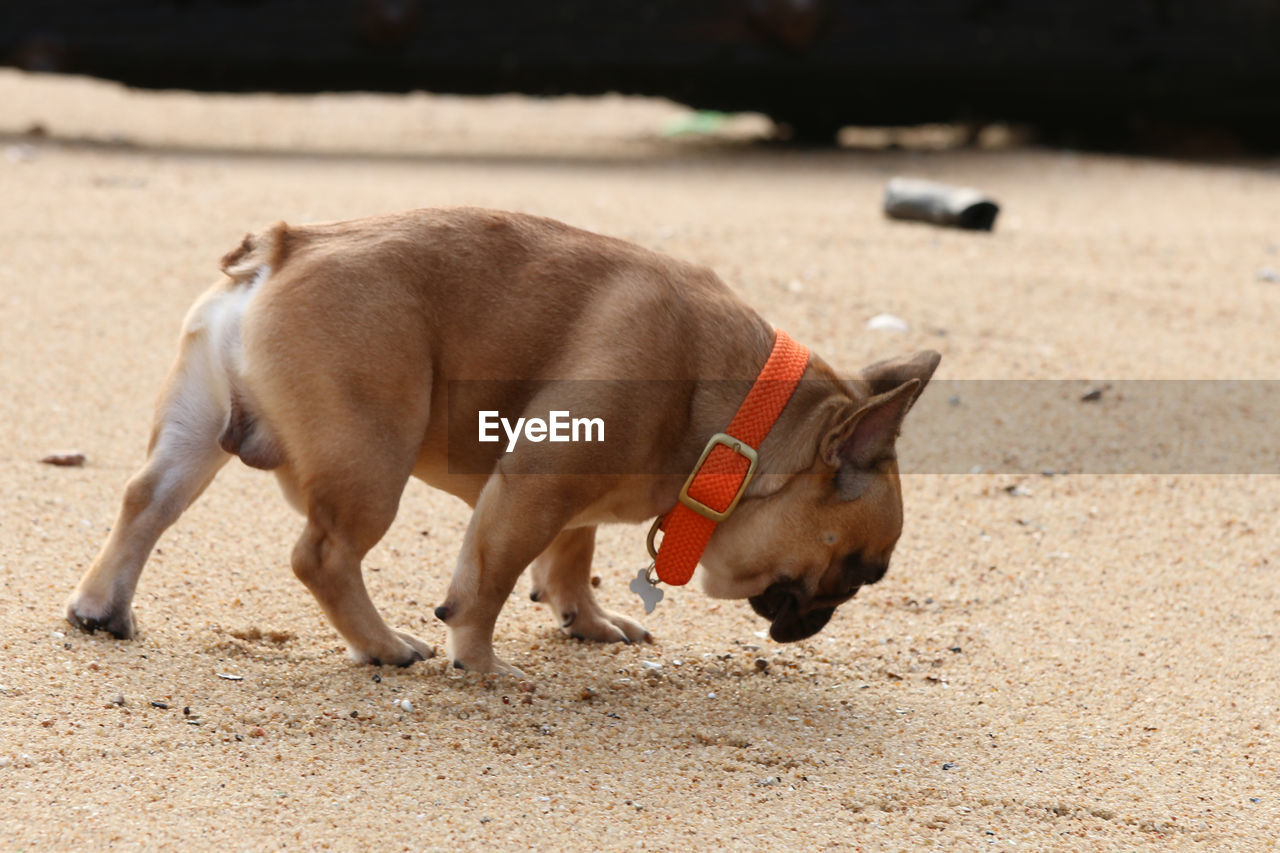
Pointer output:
x,y
337,355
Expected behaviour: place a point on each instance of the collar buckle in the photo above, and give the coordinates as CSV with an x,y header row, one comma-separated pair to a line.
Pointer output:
x,y
735,446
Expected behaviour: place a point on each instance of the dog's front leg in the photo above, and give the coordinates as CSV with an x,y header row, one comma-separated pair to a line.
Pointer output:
x,y
515,519
562,581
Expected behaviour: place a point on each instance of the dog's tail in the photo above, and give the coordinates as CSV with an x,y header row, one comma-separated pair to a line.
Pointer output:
x,y
214,354
267,248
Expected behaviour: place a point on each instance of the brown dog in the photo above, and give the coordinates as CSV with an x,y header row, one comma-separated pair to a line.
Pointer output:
x,y
338,355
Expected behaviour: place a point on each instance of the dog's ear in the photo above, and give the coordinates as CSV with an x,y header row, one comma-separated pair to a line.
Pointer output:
x,y
867,436
889,374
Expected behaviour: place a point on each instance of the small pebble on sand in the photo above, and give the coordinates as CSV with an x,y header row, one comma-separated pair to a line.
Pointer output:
x,y
887,323
20,153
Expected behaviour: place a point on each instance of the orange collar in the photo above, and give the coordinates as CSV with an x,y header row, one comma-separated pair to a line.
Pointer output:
x,y
727,465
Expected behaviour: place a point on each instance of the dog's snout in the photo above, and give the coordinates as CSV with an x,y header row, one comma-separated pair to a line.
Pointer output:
x,y
790,612
857,571
771,601
793,624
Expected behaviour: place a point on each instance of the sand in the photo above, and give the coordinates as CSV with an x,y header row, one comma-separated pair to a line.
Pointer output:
x,y
1079,663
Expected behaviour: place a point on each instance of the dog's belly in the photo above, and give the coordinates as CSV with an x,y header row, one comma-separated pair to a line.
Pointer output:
x,y
639,498
432,468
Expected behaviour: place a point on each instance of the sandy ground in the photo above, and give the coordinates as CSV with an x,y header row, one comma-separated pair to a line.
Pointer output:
x,y
1082,663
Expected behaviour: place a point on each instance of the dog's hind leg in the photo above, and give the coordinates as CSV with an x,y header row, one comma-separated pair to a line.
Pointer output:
x,y
341,376
562,581
182,459
350,504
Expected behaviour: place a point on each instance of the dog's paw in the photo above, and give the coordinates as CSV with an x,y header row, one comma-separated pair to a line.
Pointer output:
x,y
471,649
424,651
493,664
407,650
604,626
118,622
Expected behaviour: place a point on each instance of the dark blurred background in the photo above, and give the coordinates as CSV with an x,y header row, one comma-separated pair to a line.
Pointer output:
x,y
1100,73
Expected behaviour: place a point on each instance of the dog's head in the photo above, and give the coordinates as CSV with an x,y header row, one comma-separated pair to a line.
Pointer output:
x,y
805,548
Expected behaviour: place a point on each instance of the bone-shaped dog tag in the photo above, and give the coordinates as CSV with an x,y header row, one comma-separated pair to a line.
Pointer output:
x,y
649,593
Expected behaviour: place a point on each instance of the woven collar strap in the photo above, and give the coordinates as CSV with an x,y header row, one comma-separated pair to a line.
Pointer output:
x,y
727,465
